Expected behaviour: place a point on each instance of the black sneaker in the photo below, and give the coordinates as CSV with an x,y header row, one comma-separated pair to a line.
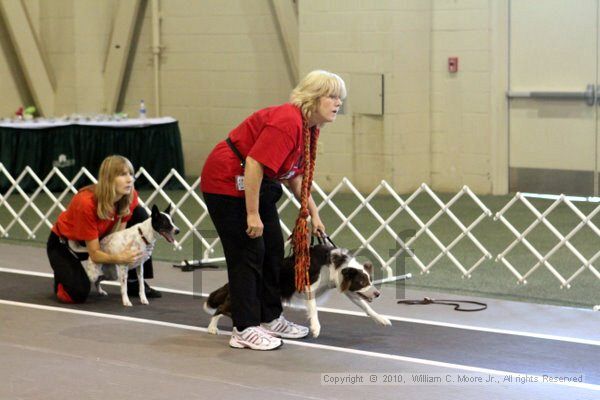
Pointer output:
x,y
133,289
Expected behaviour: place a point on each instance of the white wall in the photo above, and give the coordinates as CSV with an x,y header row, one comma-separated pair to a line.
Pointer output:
x,y
378,37
74,37
223,59
460,114
12,84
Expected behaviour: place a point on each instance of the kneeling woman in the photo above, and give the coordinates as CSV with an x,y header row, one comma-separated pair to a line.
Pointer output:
x,y
94,212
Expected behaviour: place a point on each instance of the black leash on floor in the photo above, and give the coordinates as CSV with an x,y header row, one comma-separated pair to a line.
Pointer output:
x,y
455,303
192,265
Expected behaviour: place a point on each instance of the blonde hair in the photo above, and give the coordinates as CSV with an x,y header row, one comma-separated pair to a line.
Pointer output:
x,y
312,87
105,192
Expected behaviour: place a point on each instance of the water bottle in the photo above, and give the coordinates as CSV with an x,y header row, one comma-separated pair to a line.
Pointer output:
x,y
142,110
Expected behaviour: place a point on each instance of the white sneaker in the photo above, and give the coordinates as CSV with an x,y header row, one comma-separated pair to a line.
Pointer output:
x,y
254,338
283,328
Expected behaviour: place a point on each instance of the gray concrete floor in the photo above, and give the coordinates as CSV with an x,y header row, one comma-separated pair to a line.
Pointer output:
x,y
50,355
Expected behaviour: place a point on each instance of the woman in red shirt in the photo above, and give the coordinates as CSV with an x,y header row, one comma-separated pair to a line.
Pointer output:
x,y
94,212
241,184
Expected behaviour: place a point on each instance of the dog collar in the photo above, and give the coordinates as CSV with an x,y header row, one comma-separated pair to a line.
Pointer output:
x,y
143,237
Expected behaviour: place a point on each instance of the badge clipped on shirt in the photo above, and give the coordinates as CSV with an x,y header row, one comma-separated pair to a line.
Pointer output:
x,y
239,182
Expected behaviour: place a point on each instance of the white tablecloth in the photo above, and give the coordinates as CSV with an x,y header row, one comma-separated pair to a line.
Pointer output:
x,y
124,123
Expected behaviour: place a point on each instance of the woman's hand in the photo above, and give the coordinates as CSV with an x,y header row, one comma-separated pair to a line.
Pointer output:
x,y
130,256
253,175
255,226
317,226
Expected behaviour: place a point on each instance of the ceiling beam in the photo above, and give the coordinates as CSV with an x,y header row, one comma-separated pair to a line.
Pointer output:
x,y
287,22
118,51
35,70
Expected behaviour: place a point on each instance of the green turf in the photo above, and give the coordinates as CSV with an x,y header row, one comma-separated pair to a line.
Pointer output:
x,y
490,279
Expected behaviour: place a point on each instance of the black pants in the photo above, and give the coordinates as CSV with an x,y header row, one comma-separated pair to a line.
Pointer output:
x,y
253,265
68,269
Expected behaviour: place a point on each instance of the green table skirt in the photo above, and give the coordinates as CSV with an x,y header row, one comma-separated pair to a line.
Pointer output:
x,y
157,148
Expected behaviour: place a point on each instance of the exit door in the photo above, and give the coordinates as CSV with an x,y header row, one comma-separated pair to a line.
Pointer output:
x,y
553,96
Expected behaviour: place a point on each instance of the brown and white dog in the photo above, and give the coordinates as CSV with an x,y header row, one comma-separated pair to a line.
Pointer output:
x,y
330,268
139,237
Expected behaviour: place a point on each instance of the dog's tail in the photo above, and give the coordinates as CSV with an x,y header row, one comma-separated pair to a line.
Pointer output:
x,y
216,298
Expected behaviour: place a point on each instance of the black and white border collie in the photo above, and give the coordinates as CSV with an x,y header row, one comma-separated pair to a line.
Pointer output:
x,y
141,237
330,268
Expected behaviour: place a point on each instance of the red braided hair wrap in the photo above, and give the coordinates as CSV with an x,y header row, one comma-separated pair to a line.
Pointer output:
x,y
300,235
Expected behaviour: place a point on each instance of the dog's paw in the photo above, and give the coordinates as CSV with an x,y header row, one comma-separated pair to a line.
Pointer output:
x,y
213,330
315,329
144,301
381,320
102,292
127,303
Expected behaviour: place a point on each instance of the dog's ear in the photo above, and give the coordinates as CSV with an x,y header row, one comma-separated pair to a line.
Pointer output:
x,y
368,267
347,275
155,210
168,210
338,257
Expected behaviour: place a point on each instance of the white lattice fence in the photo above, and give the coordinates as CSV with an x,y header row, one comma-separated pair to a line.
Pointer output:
x,y
424,228
188,198
563,240
190,225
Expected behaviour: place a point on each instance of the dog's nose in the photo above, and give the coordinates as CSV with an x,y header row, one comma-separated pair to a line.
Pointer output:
x,y
377,293
177,231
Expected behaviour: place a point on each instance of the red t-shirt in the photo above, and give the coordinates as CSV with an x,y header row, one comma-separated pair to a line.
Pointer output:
x,y
80,220
272,136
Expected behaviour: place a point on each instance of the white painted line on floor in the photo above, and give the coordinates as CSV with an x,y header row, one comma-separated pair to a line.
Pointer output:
x,y
24,272
578,385
102,315
474,328
568,339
